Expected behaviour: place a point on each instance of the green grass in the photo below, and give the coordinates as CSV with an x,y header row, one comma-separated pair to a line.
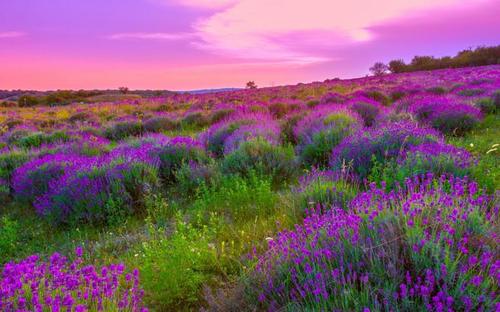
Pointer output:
x,y
483,142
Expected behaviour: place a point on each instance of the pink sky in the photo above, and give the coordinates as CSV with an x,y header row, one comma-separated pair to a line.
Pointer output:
x,y
193,44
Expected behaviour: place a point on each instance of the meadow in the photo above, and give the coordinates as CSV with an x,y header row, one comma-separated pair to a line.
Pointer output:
x,y
369,194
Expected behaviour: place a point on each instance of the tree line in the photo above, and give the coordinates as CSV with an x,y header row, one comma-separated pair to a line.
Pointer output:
x,y
480,56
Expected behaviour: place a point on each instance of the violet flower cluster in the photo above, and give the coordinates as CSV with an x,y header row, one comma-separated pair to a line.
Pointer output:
x,y
63,285
357,152
435,157
430,244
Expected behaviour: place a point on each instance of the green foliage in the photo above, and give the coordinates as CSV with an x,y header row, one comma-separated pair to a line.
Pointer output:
x,y
327,194
27,100
437,90
366,111
192,176
288,125
196,120
488,106
471,92
37,139
101,196
124,129
484,144
159,124
317,152
56,98
173,157
220,114
10,161
379,97
174,268
9,235
262,158
241,198
385,173
454,123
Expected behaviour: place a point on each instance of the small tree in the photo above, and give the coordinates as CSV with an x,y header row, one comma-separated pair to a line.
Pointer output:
x,y
397,66
378,69
251,85
27,100
123,90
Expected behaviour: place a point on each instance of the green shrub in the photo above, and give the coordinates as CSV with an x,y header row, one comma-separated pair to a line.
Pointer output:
x,y
196,120
325,193
105,195
159,124
124,129
315,146
471,92
488,106
288,125
79,116
174,156
37,139
436,90
455,123
192,176
28,101
10,161
261,157
379,97
220,114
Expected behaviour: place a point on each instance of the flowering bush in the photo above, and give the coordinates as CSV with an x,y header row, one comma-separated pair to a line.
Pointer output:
x,y
103,189
160,123
9,161
124,129
179,151
95,196
268,131
446,114
288,123
488,105
32,179
196,119
361,150
324,189
387,253
434,157
37,139
323,129
260,157
367,109
193,175
215,137
59,284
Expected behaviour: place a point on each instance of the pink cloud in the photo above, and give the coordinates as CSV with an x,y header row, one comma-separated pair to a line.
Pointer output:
x,y
247,29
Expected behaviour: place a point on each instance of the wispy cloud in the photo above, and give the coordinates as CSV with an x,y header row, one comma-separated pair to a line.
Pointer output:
x,y
248,29
152,36
11,34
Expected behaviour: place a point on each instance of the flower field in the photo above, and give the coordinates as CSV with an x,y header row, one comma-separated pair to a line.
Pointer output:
x,y
368,194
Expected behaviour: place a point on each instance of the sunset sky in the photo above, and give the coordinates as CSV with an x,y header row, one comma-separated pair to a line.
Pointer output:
x,y
194,44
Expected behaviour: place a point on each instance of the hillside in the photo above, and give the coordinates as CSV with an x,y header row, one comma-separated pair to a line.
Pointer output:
x,y
368,194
